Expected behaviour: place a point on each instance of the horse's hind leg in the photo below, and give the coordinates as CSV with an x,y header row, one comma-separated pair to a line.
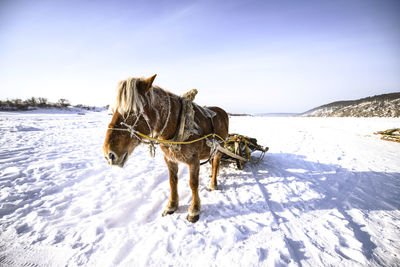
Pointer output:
x,y
173,182
194,210
215,171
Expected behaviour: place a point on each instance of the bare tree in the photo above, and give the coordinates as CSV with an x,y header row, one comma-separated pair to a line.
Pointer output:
x,y
17,101
62,102
31,101
42,101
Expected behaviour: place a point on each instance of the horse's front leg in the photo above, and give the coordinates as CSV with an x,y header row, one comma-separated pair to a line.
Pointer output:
x,y
194,210
173,202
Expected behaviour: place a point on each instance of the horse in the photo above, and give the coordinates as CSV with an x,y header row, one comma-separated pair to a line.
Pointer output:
x,y
142,107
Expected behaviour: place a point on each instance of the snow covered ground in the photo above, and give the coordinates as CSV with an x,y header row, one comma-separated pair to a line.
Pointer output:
x,y
326,194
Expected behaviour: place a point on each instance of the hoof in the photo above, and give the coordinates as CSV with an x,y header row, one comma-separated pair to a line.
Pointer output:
x,y
167,212
193,219
171,208
213,187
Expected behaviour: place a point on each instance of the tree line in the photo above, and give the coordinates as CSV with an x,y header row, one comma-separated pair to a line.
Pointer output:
x,y
37,102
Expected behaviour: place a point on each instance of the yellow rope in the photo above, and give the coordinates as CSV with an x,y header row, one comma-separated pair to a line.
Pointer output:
x,y
168,142
201,138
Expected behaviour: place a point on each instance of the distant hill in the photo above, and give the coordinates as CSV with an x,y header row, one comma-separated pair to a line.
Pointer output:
x,y
277,114
386,105
238,114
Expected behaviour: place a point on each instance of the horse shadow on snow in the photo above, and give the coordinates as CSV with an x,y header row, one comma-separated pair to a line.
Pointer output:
x,y
338,189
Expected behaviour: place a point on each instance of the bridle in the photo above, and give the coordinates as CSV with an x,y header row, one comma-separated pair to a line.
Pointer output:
x,y
135,133
152,141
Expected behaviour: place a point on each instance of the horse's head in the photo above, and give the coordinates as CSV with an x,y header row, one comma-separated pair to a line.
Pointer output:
x,y
133,95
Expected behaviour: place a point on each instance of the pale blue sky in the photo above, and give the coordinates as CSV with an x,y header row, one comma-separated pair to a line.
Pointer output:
x,y
245,56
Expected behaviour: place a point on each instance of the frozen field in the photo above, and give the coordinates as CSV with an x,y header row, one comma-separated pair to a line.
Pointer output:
x,y
326,194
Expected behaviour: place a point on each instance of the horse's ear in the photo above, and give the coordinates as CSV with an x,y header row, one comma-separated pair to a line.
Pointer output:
x,y
145,85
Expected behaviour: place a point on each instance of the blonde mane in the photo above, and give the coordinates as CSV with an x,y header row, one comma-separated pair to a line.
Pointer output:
x,y
129,99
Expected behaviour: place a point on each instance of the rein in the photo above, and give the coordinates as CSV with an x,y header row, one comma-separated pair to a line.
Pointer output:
x,y
133,132
213,143
137,134
155,141
152,141
140,136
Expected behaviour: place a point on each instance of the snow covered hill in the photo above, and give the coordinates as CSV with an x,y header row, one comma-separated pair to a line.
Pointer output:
x,y
326,194
387,105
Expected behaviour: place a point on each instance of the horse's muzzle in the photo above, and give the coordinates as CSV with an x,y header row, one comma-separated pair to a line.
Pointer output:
x,y
112,159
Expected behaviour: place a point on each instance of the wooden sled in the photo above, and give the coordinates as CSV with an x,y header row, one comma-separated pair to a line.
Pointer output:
x,y
238,150
390,135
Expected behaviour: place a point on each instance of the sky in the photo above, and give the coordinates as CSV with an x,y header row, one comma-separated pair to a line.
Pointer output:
x,y
244,56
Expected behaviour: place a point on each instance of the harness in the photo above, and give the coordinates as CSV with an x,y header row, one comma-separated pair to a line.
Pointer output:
x,y
179,137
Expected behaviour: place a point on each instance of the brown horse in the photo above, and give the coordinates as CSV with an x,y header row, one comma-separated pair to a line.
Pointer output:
x,y
150,110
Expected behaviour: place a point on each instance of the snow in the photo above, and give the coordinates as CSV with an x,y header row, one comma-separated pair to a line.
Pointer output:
x,y
327,193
